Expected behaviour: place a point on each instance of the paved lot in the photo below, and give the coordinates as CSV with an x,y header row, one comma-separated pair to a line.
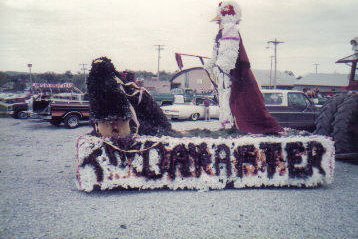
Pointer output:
x,y
39,199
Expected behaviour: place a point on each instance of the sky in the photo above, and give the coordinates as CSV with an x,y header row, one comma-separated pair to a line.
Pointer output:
x,y
59,35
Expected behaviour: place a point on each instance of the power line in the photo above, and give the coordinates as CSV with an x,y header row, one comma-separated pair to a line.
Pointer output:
x,y
159,48
275,43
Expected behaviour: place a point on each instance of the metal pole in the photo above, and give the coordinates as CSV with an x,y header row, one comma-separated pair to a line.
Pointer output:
x,y
158,62
30,76
353,72
159,48
275,78
271,58
29,66
275,43
316,64
84,71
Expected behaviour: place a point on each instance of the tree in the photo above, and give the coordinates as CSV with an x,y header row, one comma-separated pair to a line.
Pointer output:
x,y
68,74
4,78
20,84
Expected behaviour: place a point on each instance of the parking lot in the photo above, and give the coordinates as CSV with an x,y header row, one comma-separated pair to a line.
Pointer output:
x,y
39,198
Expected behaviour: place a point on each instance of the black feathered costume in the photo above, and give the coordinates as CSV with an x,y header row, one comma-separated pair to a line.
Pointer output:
x,y
115,96
107,101
151,118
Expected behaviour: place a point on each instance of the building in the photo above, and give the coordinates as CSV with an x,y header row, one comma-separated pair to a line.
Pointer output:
x,y
198,80
324,82
153,84
285,80
195,78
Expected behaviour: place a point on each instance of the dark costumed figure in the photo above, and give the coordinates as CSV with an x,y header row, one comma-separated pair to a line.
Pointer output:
x,y
241,102
119,107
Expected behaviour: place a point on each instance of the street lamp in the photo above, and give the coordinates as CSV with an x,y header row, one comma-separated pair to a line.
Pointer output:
x,y
29,66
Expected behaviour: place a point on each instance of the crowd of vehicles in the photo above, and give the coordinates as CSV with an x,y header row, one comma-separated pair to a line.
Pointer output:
x,y
336,117
176,95
55,103
291,108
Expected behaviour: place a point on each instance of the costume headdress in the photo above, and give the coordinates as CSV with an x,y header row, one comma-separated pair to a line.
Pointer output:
x,y
107,101
228,12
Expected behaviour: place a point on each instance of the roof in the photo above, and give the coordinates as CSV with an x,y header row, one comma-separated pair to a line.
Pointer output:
x,y
287,78
7,96
153,84
283,78
183,71
324,79
279,91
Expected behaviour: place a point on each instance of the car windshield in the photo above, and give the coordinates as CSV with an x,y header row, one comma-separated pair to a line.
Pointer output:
x,y
297,100
273,98
199,101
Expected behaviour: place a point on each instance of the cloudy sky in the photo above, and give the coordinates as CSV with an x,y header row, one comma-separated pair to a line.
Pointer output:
x,y
58,35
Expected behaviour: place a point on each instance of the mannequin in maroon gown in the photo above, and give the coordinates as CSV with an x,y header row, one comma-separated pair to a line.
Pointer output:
x,y
231,66
246,100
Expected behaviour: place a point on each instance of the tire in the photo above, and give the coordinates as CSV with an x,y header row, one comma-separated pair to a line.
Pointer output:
x,y
195,116
326,116
72,121
22,115
55,122
345,126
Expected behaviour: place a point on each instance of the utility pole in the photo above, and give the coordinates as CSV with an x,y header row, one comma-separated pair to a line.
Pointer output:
x,y
159,48
271,58
316,64
275,43
29,66
84,71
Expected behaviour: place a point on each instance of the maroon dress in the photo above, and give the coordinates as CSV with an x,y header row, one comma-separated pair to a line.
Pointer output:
x,y
246,100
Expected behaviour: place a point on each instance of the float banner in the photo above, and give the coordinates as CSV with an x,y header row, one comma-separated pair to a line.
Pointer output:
x,y
55,86
204,163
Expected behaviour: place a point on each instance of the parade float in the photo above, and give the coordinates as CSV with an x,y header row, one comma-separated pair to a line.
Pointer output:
x,y
133,146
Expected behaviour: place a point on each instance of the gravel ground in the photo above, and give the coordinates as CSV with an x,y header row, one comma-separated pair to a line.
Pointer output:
x,y
39,199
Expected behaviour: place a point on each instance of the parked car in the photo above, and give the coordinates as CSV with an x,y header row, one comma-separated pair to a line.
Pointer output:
x,y
292,109
14,105
319,101
176,95
193,110
162,98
